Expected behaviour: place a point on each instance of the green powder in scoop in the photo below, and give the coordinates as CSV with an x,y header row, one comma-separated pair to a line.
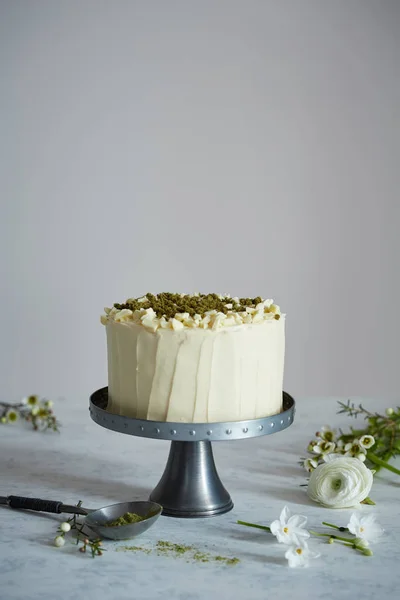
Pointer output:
x,y
126,519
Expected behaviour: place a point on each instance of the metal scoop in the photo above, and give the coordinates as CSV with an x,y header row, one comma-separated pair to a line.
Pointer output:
x,y
96,519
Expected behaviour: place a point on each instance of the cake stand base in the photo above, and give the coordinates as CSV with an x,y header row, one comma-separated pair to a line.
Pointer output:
x,y
190,486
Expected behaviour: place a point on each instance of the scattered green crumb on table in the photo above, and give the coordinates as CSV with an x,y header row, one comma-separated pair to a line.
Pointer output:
x,y
164,548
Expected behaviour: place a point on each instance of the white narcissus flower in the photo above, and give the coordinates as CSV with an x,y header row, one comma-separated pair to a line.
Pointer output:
x,y
365,528
341,482
289,529
299,555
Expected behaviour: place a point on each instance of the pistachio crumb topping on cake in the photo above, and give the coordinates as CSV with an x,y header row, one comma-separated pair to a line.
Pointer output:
x,y
204,311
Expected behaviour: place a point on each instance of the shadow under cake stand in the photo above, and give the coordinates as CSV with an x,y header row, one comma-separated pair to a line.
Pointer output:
x,y
190,485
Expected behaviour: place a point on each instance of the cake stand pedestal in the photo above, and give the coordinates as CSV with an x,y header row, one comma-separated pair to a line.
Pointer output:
x,y
190,485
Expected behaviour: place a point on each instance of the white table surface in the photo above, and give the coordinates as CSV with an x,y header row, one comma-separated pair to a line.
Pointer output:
x,y
89,463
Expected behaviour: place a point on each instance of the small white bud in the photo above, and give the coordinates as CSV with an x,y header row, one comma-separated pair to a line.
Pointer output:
x,y
65,527
59,541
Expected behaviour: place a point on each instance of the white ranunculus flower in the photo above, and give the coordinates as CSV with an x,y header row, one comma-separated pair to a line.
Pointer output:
x,y
341,482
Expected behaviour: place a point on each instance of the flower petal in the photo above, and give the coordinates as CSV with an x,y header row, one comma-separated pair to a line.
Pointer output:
x,y
275,527
297,521
285,515
353,524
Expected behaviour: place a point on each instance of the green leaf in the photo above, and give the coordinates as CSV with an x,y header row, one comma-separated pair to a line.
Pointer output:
x,y
368,500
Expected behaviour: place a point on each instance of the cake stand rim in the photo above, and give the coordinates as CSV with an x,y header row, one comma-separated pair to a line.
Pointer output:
x,y
191,432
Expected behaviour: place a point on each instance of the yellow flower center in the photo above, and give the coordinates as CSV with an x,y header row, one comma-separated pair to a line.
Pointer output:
x,y
299,551
361,529
285,529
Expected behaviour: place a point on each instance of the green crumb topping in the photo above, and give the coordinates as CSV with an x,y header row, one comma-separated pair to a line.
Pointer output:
x,y
190,553
168,305
126,519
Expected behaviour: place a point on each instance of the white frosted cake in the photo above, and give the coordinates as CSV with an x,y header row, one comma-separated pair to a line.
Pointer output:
x,y
195,358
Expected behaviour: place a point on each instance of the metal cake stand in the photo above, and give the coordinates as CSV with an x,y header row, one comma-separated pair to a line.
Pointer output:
x,y
190,485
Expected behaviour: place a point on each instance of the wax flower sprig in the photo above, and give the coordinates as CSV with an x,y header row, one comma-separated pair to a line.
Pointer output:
x,y
72,524
382,432
290,530
37,411
375,444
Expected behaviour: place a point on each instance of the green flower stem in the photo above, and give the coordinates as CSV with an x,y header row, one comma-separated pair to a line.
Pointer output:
x,y
334,526
342,540
381,463
330,535
345,542
254,525
363,550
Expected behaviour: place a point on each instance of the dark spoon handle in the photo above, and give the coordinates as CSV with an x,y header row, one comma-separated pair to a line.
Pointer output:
x,y
51,506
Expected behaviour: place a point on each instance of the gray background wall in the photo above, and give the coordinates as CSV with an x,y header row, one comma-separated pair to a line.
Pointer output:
x,y
249,147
